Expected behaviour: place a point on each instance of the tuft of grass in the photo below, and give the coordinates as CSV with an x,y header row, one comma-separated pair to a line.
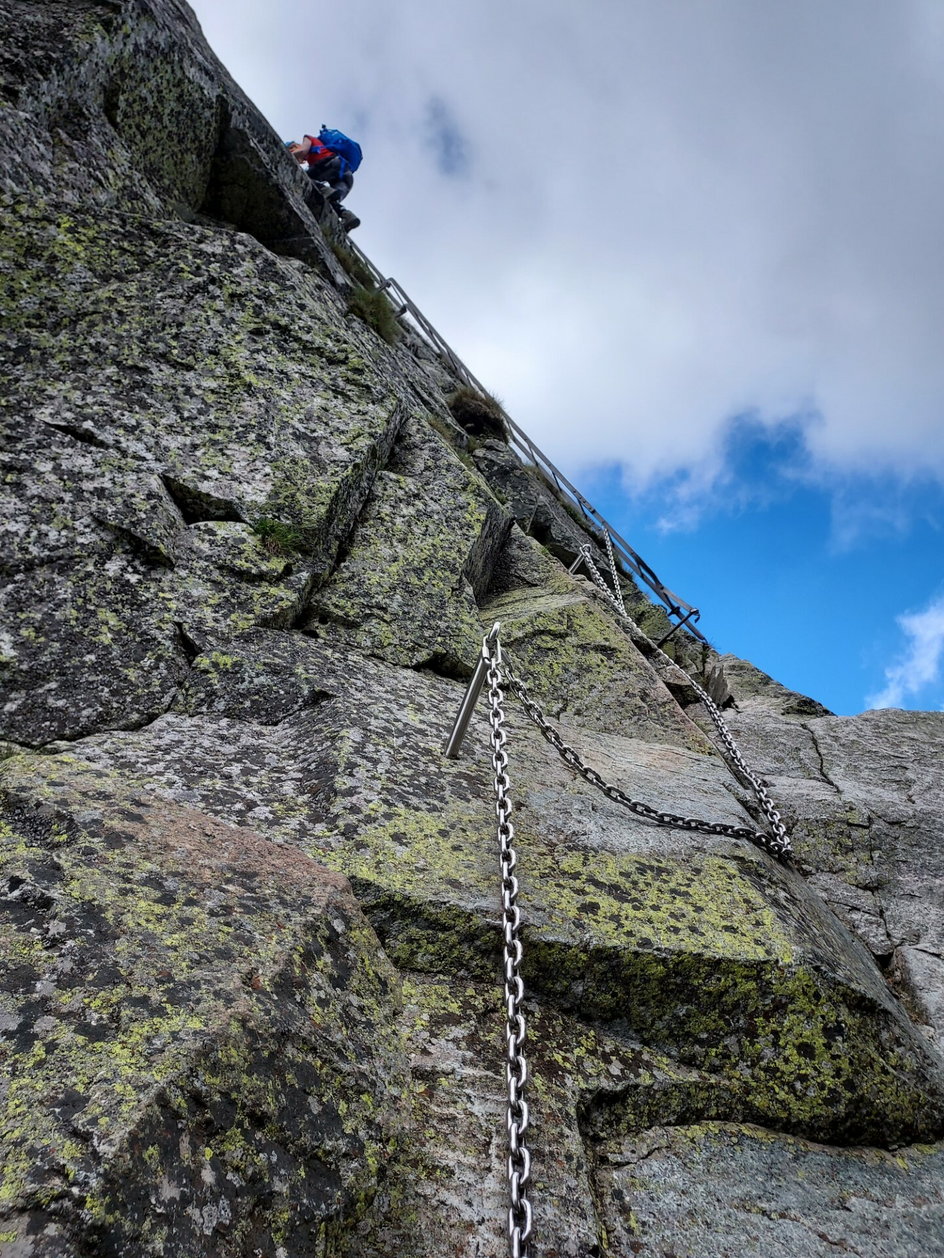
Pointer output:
x,y
367,300
277,537
352,265
373,306
480,414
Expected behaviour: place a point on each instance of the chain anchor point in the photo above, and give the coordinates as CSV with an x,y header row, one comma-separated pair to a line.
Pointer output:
x,y
491,649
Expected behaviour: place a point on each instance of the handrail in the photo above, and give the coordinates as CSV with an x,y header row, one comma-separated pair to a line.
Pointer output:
x,y
628,559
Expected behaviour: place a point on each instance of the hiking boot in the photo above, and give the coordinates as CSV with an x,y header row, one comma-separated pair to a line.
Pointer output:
x,y
349,220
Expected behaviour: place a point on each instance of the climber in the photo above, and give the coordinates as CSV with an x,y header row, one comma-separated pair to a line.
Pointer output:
x,y
331,158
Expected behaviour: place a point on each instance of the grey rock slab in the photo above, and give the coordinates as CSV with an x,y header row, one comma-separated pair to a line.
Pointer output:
x,y
172,987
165,430
577,662
63,496
889,759
426,540
448,1174
171,369
751,687
725,1191
225,581
529,500
920,976
86,645
313,700
772,745
860,909
626,922
876,821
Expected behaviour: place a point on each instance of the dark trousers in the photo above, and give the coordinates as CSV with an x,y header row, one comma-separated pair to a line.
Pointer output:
x,y
329,172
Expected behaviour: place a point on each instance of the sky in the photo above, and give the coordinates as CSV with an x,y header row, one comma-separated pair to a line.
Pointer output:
x,y
695,247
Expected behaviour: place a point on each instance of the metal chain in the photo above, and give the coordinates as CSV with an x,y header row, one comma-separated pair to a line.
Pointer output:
x,y
617,592
494,670
520,1214
516,1067
572,757
778,843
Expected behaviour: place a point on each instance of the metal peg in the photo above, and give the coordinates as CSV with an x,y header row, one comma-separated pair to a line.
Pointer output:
x,y
470,698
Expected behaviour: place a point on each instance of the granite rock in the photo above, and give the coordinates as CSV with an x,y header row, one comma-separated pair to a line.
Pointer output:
x,y
251,966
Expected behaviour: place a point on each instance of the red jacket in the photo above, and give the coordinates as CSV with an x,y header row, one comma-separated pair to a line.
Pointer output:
x,y
319,152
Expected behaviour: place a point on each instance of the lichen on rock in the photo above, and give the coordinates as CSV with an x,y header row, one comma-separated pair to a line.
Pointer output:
x,y
174,986
251,997
423,546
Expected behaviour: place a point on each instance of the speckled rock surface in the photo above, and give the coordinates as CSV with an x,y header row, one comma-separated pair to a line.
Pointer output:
x,y
139,493
864,797
250,1003
626,923
172,991
424,546
578,661
719,1190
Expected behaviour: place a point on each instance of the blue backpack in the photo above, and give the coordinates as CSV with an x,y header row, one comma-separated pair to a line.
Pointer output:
x,y
347,149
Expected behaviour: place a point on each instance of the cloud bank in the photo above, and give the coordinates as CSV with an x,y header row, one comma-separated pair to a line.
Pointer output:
x,y
640,219
919,665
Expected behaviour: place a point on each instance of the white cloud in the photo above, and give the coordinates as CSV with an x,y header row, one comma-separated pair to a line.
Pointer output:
x,y
677,211
920,663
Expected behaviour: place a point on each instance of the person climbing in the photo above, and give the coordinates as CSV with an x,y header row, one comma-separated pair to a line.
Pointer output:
x,y
331,158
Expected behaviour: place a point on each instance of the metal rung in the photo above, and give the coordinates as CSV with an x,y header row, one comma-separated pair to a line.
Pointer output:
x,y
675,628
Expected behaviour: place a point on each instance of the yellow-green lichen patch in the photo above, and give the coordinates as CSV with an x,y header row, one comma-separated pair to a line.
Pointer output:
x,y
690,955
653,903
174,985
577,661
601,898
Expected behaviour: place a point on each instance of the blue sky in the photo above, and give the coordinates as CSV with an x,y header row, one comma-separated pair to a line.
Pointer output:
x,y
696,248
805,580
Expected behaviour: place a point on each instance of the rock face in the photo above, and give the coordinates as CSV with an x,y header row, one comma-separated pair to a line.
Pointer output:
x,y
250,997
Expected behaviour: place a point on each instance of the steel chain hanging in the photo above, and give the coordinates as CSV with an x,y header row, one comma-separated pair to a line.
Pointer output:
x,y
516,1067
572,757
779,842
617,592
489,670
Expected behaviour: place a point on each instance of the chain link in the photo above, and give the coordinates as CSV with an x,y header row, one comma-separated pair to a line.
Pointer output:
x,y
777,843
520,1215
516,1066
617,596
572,758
